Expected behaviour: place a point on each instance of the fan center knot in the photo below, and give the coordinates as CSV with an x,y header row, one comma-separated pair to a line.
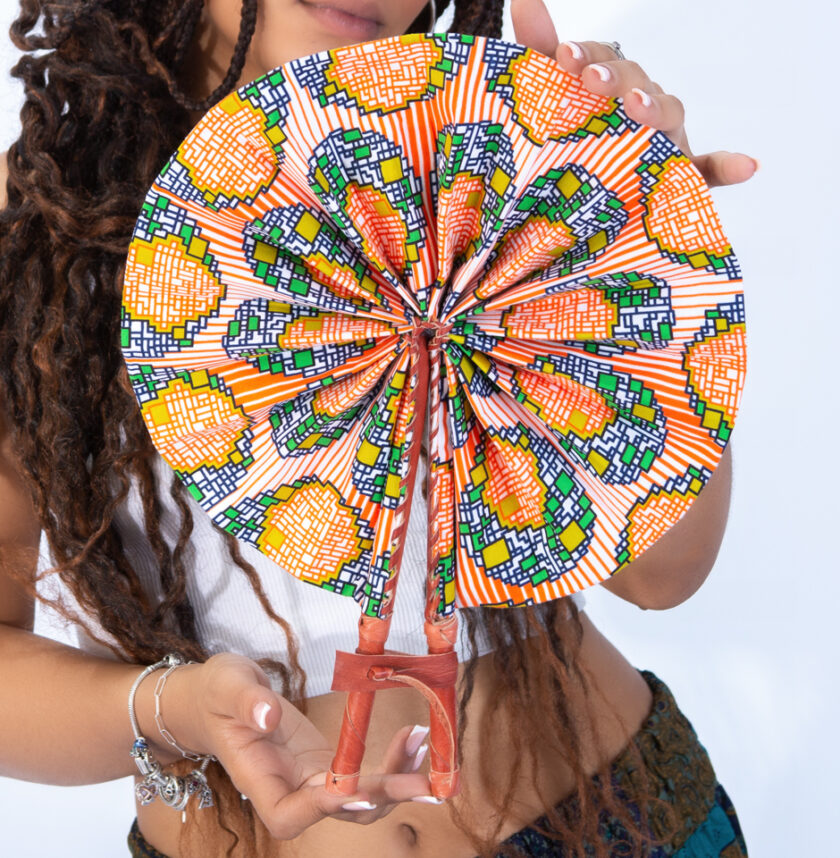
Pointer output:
x,y
435,332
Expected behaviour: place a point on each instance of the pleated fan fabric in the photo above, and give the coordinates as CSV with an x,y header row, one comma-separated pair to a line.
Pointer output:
x,y
580,300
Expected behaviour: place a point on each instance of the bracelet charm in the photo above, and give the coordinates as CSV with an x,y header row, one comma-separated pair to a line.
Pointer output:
x,y
173,790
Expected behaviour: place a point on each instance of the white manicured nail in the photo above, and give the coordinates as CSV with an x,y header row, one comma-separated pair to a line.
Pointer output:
x,y
427,799
419,757
602,71
575,49
415,739
261,711
359,805
647,101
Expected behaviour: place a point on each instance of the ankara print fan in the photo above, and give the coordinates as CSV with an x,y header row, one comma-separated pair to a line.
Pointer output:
x,y
441,227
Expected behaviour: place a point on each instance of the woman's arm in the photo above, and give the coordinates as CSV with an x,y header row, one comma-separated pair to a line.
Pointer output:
x,y
64,715
673,569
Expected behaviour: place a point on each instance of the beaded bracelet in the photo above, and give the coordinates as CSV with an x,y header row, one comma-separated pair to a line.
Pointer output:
x,y
174,791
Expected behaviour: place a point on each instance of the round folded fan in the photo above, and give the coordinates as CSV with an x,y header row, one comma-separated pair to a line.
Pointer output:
x,y
446,228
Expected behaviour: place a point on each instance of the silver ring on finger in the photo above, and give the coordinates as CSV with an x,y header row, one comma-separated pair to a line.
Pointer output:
x,y
617,48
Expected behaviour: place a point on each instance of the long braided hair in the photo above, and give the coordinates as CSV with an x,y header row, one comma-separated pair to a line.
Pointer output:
x,y
103,111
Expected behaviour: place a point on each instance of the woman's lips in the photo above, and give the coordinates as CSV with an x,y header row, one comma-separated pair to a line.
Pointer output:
x,y
340,20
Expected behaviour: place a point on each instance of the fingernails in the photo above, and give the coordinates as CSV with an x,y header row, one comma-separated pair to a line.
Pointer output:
x,y
575,49
757,164
261,711
415,739
427,799
647,101
419,757
602,71
359,805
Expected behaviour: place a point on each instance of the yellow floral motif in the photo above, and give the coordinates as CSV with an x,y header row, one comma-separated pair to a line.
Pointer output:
x,y
579,314
716,369
167,284
680,215
381,226
342,279
330,329
195,424
510,484
653,519
564,404
531,247
234,156
551,106
459,207
386,76
312,533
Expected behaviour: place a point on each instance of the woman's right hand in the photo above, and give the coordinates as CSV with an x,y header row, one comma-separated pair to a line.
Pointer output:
x,y
275,755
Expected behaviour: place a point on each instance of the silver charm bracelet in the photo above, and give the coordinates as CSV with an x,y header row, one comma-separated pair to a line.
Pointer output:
x,y
174,791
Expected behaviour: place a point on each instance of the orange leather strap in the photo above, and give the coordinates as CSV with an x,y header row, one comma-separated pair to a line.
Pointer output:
x,y
356,671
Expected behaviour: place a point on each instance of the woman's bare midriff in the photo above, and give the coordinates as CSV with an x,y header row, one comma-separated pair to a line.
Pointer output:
x,y
619,701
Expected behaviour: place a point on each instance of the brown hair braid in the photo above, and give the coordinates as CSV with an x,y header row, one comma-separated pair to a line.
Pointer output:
x,y
102,113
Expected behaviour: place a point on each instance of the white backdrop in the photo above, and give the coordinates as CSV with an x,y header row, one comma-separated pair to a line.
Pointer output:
x,y
750,656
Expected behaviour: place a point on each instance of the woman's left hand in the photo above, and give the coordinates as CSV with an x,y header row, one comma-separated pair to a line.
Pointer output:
x,y
644,101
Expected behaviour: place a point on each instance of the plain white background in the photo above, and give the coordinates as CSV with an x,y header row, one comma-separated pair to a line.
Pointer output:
x,y
750,658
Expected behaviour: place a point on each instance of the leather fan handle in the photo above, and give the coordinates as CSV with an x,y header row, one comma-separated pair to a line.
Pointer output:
x,y
343,776
432,675
443,745
441,636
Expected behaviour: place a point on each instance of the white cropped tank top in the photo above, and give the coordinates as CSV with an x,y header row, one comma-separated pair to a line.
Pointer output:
x,y
229,617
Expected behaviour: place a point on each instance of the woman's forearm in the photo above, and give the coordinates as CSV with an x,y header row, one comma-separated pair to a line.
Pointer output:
x,y
64,713
674,568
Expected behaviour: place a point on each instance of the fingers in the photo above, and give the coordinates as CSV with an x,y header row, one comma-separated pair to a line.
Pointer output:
x,y
533,27
406,751
644,101
665,113
613,78
289,812
726,168
386,789
575,56
293,811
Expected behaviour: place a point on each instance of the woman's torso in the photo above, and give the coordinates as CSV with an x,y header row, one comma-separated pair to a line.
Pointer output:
x,y
229,618
620,700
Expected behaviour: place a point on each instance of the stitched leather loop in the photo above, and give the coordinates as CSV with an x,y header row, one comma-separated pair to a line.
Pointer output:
x,y
356,671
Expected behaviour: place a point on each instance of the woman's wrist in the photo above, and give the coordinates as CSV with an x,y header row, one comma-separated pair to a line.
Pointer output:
x,y
181,712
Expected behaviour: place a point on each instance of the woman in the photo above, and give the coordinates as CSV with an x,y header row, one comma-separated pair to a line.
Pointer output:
x,y
118,85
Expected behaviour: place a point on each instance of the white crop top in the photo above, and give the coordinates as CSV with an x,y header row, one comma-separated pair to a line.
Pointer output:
x,y
229,617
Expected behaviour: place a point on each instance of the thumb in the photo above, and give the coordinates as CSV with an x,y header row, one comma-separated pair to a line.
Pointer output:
x,y
725,168
261,711
241,691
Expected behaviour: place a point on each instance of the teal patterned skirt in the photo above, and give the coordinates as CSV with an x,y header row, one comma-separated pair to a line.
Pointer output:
x,y
679,770
682,774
